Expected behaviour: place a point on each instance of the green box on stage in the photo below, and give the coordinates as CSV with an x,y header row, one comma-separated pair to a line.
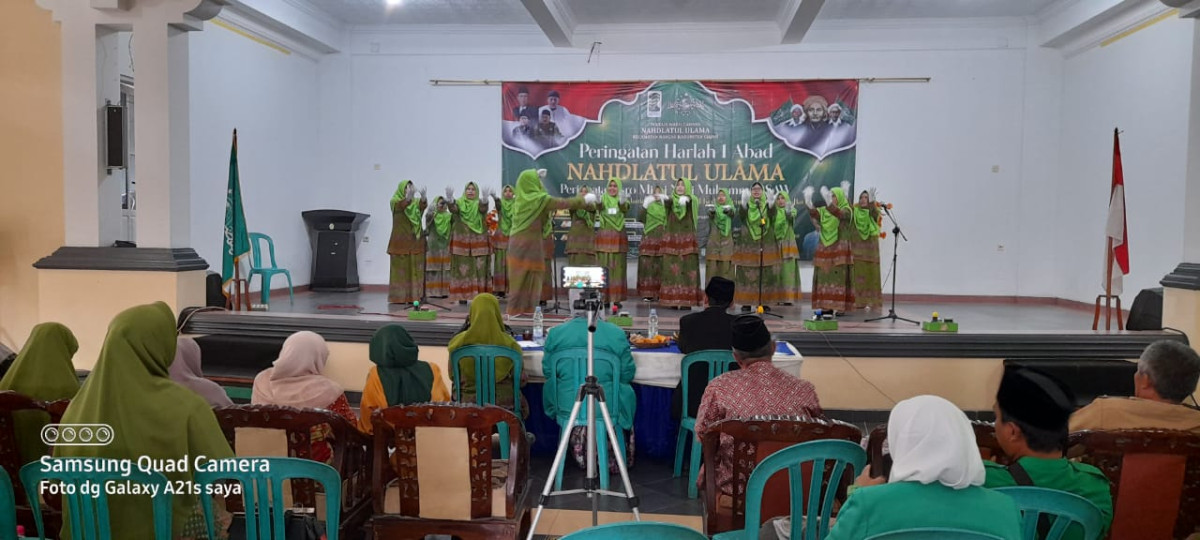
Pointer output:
x,y
939,326
621,321
422,315
820,325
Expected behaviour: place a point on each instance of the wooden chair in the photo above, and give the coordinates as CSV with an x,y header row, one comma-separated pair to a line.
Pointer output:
x,y
10,455
278,431
985,437
1155,479
753,440
446,448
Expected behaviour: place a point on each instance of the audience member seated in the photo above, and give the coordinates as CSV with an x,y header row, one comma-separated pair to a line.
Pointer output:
x,y
1167,374
130,390
757,389
1032,410
609,337
186,371
936,481
296,381
486,327
708,329
398,377
42,371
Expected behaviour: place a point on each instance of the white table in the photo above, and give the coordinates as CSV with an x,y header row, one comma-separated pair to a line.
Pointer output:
x,y
659,367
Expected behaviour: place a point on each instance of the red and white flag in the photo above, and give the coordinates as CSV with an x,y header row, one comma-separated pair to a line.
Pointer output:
x,y
1115,228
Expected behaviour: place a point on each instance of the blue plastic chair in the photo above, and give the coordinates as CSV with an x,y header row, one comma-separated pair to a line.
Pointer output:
x,y
8,508
636,530
934,534
1065,509
267,272
258,499
577,357
718,361
89,514
820,501
485,380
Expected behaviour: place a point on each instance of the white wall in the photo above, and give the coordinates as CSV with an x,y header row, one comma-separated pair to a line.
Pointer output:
x,y
1140,84
273,101
930,148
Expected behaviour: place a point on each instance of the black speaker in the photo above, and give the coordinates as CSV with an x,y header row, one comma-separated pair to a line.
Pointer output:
x,y
1146,313
213,295
114,137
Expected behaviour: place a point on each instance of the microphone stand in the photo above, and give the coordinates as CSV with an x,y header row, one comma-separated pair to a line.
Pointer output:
x,y
422,302
897,234
553,268
762,237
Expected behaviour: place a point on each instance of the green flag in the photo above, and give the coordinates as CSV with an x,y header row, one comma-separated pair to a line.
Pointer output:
x,y
237,237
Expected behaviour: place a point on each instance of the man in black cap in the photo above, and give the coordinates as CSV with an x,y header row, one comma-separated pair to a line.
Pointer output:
x,y
708,329
758,388
523,107
1032,411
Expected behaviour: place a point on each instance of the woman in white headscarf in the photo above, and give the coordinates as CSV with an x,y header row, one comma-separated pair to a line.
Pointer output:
x,y
936,480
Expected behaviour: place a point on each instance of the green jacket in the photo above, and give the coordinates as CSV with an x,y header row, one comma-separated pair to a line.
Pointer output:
x,y
909,505
1061,474
609,337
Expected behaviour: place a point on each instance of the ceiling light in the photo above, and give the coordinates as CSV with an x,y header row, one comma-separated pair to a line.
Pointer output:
x,y
392,2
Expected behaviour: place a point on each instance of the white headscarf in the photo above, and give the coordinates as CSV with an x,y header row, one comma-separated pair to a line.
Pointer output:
x,y
931,440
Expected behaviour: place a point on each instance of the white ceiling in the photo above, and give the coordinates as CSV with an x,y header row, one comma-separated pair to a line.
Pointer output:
x,y
600,12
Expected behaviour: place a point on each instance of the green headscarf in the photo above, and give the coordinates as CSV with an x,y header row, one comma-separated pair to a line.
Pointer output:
x,y
866,226
531,200
441,220
405,379
783,222
468,210
656,216
722,221
680,210
506,213
42,371
614,221
413,211
755,214
829,222
486,327
130,390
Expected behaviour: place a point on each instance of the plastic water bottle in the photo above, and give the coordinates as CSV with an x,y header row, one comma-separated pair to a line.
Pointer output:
x,y
538,328
653,330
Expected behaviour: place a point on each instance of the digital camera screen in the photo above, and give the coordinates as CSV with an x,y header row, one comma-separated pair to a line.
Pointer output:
x,y
584,277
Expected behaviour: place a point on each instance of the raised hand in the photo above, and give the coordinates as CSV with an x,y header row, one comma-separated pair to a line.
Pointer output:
x,y
683,199
449,194
745,197
422,192
487,193
649,200
590,198
827,195
808,196
846,187
871,195
541,173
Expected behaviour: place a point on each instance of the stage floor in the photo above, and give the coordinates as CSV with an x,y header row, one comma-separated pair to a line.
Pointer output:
x,y
973,315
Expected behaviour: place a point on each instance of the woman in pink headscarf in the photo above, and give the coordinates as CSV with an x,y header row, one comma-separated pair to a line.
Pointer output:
x,y
296,380
186,371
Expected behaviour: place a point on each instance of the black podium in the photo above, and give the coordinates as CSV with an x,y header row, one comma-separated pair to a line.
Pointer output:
x,y
334,238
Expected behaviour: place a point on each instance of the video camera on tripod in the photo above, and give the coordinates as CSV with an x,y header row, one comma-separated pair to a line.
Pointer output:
x,y
589,281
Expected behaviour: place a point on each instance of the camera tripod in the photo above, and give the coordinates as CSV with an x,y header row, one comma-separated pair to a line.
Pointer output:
x,y
593,393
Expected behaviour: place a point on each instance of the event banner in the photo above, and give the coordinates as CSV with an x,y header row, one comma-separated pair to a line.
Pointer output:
x,y
723,135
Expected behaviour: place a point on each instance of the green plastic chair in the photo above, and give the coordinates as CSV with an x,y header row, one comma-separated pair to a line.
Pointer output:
x,y
267,272
485,380
257,499
1065,509
934,534
719,361
89,515
577,356
8,508
820,502
636,530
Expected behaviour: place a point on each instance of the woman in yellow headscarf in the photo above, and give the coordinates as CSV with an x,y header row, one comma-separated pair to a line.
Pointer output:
x,y
406,246
718,254
864,247
486,327
681,254
756,258
469,249
437,254
831,264
612,244
527,254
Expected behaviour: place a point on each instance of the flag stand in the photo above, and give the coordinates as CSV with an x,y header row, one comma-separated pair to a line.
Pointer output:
x,y
1108,298
240,291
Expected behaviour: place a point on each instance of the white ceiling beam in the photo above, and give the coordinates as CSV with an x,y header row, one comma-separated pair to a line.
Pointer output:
x,y
1074,26
553,18
796,18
